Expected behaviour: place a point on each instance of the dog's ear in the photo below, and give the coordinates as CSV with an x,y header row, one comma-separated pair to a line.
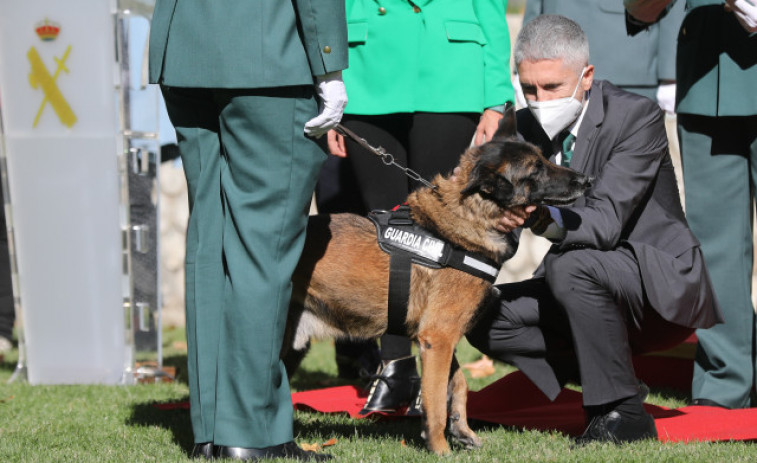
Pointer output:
x,y
507,127
490,185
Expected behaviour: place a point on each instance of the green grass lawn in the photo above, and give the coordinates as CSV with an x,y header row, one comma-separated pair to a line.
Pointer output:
x,y
119,424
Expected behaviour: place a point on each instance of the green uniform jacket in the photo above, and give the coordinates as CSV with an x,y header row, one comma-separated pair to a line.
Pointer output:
x,y
639,61
244,44
429,55
717,63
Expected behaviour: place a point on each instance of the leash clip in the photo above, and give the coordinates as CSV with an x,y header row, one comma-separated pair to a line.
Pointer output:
x,y
386,158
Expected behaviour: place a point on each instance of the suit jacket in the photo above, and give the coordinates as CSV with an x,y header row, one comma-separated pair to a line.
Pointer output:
x,y
246,44
717,63
653,52
436,56
633,202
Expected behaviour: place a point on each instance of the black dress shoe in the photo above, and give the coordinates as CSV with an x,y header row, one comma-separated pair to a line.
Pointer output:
x,y
707,403
204,450
288,450
615,428
395,387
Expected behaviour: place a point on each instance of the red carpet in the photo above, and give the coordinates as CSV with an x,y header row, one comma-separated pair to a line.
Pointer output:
x,y
515,401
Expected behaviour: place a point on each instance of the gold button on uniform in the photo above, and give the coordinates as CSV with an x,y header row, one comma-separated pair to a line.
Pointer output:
x,y
327,49
382,10
416,9
683,32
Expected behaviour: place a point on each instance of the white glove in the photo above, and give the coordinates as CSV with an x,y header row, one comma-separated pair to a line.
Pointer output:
x,y
333,96
666,97
746,13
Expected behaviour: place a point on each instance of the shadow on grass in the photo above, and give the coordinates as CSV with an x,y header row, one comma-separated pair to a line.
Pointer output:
x,y
670,393
397,429
175,420
305,379
8,366
407,429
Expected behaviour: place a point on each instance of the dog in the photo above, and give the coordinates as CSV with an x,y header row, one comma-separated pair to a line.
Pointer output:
x,y
340,284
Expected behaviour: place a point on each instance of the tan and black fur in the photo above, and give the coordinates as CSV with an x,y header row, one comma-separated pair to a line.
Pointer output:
x,y
340,285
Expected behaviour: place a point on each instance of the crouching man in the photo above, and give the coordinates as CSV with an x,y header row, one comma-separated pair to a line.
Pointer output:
x,y
625,275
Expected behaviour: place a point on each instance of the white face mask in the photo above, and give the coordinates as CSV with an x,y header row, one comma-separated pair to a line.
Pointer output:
x,y
555,115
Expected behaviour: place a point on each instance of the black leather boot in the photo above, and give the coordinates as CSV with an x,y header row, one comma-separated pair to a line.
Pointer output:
x,y
394,387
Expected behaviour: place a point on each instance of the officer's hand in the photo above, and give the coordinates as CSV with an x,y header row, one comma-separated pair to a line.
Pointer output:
x,y
746,13
333,99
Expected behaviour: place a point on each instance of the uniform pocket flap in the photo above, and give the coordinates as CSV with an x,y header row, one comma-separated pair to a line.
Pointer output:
x,y
357,32
461,31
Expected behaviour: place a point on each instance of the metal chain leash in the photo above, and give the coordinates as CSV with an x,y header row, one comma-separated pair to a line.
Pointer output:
x,y
386,158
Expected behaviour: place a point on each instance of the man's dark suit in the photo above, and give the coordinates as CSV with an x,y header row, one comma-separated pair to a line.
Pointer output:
x,y
627,278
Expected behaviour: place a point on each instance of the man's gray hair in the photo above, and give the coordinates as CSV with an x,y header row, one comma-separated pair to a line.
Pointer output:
x,y
552,37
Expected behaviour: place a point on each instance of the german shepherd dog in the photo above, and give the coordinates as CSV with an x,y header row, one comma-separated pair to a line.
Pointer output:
x,y
340,284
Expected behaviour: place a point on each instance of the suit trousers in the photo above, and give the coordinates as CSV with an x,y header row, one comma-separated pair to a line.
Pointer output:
x,y
251,172
583,321
719,157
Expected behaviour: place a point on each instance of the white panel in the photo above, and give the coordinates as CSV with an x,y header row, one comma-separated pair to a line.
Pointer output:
x,y
64,186
69,258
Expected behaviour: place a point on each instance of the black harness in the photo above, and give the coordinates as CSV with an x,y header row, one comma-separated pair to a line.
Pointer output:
x,y
407,243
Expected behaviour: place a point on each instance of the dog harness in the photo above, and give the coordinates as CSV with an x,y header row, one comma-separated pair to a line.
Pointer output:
x,y
407,243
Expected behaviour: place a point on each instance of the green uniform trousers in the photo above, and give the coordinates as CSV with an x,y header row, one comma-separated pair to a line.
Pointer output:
x,y
720,174
251,172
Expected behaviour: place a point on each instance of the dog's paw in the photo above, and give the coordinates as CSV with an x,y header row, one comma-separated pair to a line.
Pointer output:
x,y
470,442
441,449
463,435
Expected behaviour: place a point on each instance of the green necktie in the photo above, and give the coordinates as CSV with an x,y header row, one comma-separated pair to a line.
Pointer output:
x,y
567,149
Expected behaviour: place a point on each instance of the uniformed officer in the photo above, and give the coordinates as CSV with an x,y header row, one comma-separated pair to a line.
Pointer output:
x,y
717,125
238,78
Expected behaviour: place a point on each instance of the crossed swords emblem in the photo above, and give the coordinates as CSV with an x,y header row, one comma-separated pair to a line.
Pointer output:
x,y
40,77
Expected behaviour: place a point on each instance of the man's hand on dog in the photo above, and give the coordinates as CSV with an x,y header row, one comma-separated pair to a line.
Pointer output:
x,y
487,126
513,218
333,100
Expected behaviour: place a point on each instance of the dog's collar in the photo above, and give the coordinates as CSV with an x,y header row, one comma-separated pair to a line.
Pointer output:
x,y
398,232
